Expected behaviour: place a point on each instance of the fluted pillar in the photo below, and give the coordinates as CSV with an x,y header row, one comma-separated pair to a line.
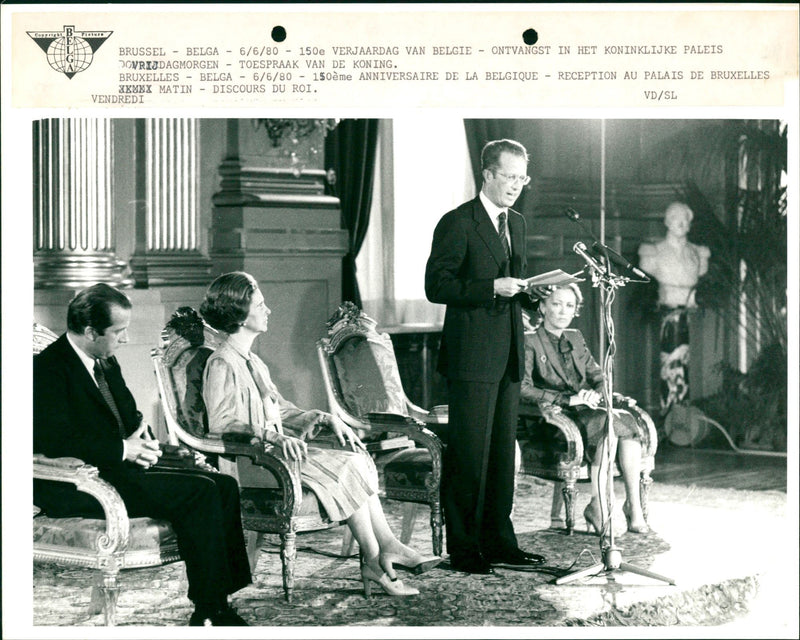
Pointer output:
x,y
72,201
167,214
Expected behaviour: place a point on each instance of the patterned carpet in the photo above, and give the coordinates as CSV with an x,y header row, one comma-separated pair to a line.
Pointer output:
x,y
690,543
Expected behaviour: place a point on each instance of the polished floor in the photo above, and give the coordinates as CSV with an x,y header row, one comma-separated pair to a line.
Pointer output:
x,y
719,468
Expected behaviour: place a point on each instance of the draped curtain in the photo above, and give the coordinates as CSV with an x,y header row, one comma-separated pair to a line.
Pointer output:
x,y
350,153
412,191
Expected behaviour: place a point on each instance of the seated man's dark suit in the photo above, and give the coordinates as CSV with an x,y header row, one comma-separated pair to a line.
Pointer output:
x,y
71,418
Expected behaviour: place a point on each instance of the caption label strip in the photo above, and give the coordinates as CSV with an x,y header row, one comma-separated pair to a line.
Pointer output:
x,y
258,62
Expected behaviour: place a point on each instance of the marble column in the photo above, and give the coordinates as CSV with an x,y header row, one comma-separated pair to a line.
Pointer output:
x,y
167,249
72,201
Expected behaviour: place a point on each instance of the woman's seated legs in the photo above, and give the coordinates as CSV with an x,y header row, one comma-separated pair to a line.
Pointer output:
x,y
630,462
629,451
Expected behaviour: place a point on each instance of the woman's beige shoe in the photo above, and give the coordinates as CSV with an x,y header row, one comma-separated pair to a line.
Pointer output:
x,y
592,516
425,564
392,587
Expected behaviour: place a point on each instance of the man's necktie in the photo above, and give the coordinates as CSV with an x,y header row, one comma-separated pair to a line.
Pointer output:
x,y
501,230
105,391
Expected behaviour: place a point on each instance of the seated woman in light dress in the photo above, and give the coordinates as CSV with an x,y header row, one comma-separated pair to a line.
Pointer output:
x,y
240,397
560,371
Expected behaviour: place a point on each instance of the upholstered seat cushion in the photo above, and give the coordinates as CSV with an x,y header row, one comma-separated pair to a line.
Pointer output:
x,y
269,502
407,469
82,533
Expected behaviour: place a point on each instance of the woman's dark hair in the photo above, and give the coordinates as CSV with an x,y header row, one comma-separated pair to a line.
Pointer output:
x,y
92,308
227,301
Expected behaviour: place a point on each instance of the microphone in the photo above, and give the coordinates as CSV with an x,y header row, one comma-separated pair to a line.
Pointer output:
x,y
580,249
621,261
601,252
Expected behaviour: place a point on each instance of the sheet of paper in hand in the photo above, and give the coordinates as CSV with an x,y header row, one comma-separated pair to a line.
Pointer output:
x,y
553,278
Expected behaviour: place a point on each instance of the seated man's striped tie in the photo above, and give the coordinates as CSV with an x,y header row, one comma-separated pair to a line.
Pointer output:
x,y
105,391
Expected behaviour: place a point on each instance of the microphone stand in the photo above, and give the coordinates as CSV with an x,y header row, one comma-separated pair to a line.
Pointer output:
x,y
611,555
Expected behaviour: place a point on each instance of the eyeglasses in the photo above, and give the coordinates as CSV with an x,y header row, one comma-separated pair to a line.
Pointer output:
x,y
514,179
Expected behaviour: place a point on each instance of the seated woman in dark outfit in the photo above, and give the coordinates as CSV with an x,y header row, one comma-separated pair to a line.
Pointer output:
x,y
560,371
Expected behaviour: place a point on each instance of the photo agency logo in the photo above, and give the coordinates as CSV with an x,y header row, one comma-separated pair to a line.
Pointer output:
x,y
69,51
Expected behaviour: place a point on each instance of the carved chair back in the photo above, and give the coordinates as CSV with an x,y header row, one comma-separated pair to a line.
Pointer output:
x,y
363,385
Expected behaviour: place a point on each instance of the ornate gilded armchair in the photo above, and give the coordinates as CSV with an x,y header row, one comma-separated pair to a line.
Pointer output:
x,y
552,448
287,509
106,544
364,389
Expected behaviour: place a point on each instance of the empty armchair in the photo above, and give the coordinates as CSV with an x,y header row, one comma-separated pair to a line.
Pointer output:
x,y
363,385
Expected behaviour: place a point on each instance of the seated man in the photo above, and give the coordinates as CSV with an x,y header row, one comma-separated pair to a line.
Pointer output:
x,y
83,408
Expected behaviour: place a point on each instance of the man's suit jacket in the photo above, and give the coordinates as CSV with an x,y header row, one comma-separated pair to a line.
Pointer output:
x,y
70,417
545,378
466,257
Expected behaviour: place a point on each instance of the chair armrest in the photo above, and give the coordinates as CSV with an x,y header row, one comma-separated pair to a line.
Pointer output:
x,y
86,479
378,423
416,431
553,415
412,427
66,466
232,444
287,472
418,412
647,429
395,443
625,400
648,432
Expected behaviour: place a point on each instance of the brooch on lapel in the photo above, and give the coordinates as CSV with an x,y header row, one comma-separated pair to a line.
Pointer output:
x,y
543,358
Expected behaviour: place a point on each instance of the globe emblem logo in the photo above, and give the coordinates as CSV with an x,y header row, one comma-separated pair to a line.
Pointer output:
x,y
69,51
69,57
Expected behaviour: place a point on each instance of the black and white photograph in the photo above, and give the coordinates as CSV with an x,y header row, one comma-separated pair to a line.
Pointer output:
x,y
374,372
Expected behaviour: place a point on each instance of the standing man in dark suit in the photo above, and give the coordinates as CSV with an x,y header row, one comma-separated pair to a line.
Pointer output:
x,y
476,267
83,408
